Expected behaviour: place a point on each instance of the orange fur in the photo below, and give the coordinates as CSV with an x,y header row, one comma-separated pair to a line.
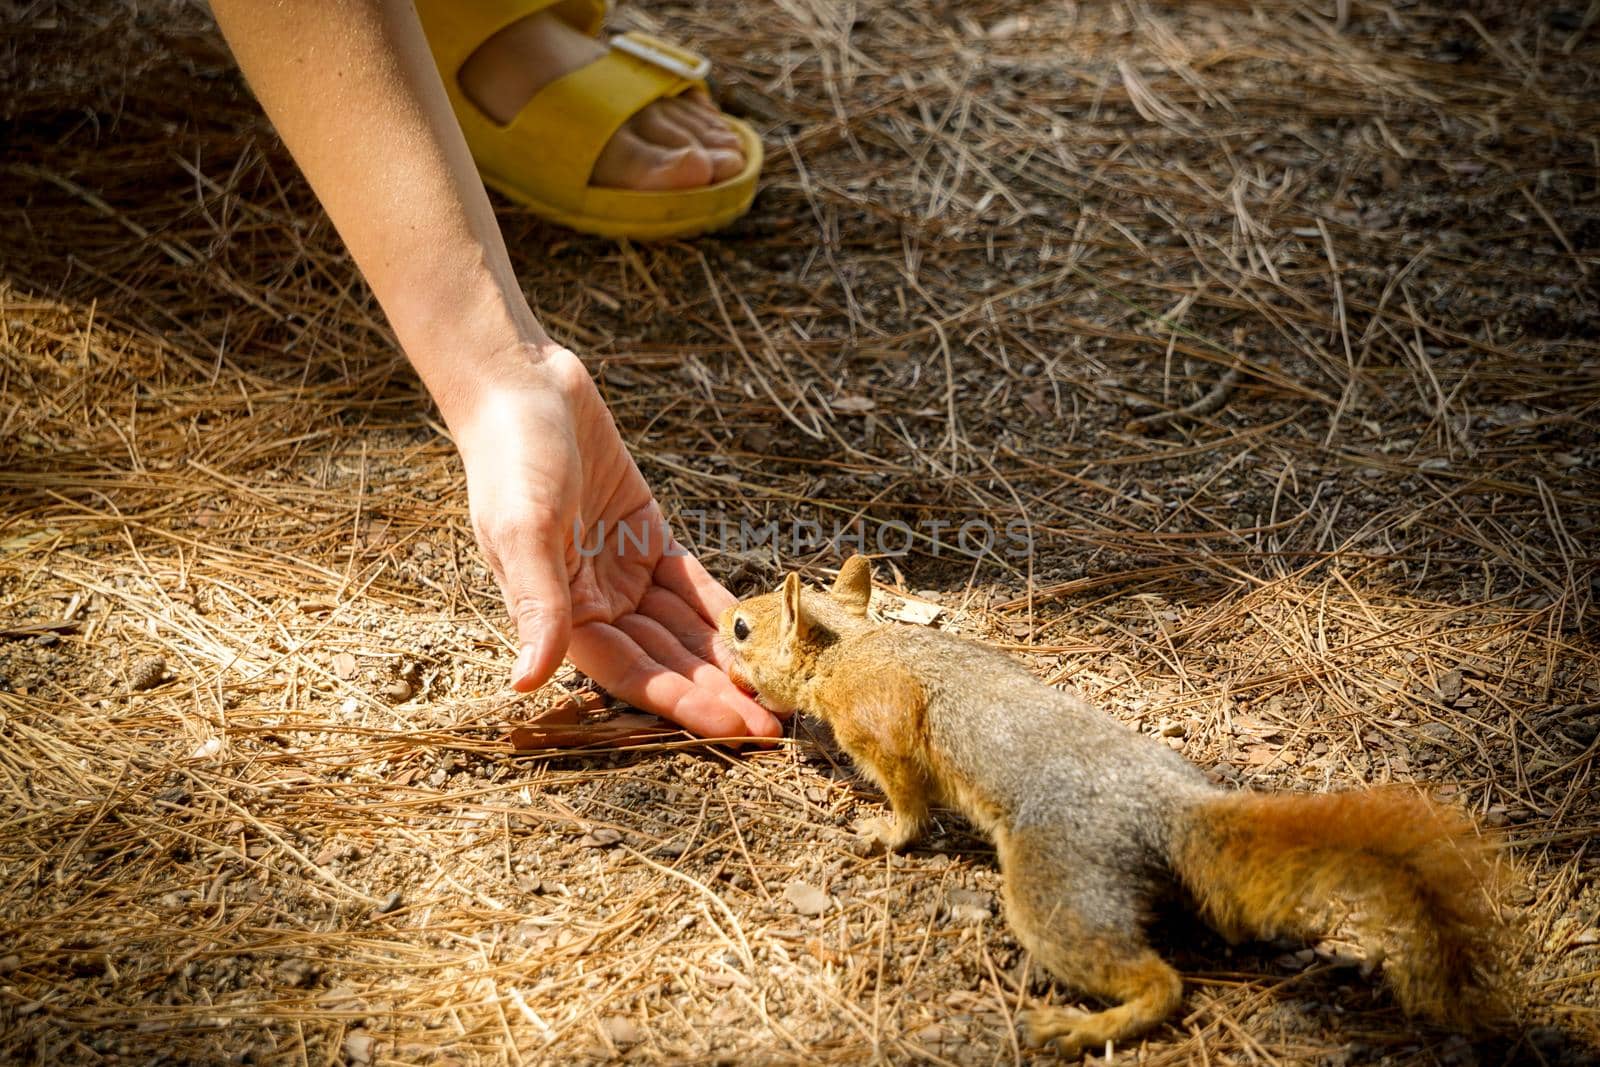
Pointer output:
x,y
1267,864
1145,988
887,735
1091,821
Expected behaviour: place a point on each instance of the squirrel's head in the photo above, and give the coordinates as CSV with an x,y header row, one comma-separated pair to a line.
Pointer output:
x,y
776,639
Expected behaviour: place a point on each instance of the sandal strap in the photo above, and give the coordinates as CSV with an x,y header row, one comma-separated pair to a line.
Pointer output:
x,y
571,119
457,28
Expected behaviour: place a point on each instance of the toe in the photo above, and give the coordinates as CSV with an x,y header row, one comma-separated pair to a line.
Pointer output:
x,y
630,162
707,124
724,164
721,144
671,124
677,143
659,125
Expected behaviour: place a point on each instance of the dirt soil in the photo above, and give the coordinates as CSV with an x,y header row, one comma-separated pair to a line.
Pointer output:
x,y
1272,324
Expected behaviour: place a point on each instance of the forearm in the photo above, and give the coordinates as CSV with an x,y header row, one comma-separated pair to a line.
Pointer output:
x,y
353,92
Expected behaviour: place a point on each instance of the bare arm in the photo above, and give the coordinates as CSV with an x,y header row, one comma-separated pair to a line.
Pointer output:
x,y
353,92
352,89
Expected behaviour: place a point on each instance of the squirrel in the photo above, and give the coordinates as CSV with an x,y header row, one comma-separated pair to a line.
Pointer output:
x,y
1093,822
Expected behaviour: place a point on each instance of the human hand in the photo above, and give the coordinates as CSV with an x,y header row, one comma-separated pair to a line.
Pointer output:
x,y
583,555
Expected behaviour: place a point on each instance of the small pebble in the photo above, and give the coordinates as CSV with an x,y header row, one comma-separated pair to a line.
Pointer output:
x,y
297,974
621,1031
358,1046
970,905
1172,728
600,837
390,903
807,899
397,691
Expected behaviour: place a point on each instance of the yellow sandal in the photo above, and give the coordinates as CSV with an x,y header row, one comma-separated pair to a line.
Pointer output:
x,y
544,156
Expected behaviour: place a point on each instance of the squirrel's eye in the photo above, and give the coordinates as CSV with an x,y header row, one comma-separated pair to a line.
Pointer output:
x,y
741,629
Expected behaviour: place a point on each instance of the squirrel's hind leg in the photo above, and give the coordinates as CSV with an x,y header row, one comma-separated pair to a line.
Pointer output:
x,y
1147,986
1084,926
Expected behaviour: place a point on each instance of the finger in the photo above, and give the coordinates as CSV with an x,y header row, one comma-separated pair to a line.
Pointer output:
x,y
616,661
686,624
683,574
758,721
539,598
665,647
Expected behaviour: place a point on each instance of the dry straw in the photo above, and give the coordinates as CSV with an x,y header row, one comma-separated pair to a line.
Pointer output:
x,y
1274,324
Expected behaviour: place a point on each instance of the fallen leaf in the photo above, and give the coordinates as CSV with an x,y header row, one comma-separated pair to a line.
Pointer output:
x,y
625,729
1259,755
916,612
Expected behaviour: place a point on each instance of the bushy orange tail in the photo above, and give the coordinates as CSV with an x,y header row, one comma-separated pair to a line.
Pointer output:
x,y
1267,864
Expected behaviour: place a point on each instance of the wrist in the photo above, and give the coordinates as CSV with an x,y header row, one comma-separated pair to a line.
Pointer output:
x,y
482,350
492,393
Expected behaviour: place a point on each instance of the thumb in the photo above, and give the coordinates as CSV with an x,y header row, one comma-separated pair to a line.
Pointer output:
x,y
540,601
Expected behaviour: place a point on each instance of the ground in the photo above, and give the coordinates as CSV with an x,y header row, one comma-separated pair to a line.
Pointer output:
x,y
1273,324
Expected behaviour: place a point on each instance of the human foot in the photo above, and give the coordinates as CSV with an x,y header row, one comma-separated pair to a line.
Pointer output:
x,y
678,143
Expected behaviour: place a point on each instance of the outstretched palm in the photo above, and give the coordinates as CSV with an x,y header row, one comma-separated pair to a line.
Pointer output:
x,y
585,560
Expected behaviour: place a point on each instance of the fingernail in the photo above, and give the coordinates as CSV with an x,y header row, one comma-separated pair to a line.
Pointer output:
x,y
523,665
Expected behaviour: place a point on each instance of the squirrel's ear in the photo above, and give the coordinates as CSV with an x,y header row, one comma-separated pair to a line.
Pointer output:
x,y
853,588
792,622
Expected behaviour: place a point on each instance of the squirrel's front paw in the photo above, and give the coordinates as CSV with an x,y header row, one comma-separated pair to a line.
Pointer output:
x,y
885,835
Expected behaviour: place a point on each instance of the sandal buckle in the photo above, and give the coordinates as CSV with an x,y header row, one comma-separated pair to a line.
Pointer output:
x,y
669,57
